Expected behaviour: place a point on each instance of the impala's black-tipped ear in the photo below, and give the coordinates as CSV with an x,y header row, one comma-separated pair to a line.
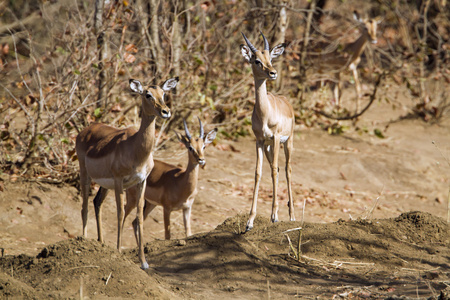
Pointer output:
x,y
136,86
277,50
210,136
181,137
246,52
170,84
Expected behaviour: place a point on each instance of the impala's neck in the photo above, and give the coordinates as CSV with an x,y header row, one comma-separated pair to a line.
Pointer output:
x,y
262,101
145,137
356,48
190,175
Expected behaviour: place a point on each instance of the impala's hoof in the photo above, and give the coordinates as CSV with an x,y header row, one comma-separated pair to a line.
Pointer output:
x,y
144,266
248,228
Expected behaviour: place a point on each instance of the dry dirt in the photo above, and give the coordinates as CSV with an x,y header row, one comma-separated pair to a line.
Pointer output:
x,y
374,225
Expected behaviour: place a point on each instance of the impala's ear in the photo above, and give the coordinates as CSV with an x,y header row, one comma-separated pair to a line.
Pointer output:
x,y
136,86
170,84
210,137
277,50
180,137
378,19
246,52
357,17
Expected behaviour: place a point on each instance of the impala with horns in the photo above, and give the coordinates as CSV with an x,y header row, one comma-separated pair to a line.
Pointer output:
x,y
347,57
118,159
171,187
272,124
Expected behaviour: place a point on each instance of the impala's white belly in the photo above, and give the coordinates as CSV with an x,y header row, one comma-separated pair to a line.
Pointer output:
x,y
128,181
268,136
269,140
105,178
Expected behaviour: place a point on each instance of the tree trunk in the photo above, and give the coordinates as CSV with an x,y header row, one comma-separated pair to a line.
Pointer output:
x,y
102,47
155,38
281,38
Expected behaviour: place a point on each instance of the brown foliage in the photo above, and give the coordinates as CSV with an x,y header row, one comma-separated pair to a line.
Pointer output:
x,y
49,68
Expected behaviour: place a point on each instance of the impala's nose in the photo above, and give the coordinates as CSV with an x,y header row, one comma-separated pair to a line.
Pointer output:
x,y
165,113
201,161
273,75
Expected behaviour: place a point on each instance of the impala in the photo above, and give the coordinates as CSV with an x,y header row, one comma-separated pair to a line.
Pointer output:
x,y
117,159
272,123
348,57
171,187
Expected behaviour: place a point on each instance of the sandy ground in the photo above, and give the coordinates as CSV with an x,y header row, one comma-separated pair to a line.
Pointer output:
x,y
374,225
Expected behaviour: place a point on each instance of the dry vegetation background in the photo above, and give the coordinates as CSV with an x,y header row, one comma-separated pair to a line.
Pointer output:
x,y
65,64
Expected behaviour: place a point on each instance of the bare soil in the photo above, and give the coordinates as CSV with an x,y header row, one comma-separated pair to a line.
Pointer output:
x,y
374,225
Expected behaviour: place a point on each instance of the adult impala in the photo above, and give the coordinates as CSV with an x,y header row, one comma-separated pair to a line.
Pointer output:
x,y
272,123
348,57
171,187
117,159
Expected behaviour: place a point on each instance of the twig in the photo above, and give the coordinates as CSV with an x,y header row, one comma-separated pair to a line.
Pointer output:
x,y
81,288
291,246
375,204
108,278
293,229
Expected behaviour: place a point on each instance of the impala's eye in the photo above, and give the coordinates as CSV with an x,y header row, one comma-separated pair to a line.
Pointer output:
x,y
258,62
190,148
148,96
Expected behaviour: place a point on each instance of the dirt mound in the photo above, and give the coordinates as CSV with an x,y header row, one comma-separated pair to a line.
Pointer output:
x,y
380,258
74,267
374,258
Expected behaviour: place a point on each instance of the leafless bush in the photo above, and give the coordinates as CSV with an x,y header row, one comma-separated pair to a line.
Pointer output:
x,y
52,74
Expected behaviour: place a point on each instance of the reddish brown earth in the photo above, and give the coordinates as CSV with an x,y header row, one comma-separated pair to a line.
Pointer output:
x,y
374,225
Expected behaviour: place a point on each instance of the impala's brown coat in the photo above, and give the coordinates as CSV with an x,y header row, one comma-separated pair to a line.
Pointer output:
x,y
171,187
120,158
348,58
272,124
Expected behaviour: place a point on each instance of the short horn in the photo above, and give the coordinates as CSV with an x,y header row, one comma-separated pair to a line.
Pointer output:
x,y
202,132
249,44
188,135
266,43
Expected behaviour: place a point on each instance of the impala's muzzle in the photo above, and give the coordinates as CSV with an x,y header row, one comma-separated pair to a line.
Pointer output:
x,y
273,75
165,113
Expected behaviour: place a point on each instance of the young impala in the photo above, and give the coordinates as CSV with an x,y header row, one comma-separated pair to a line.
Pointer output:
x,y
171,187
272,123
336,62
117,159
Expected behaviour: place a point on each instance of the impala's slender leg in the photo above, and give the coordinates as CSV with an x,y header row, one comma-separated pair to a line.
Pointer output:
x,y
148,208
98,201
118,189
274,166
269,153
288,147
187,220
258,172
140,189
167,223
85,184
357,85
337,90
